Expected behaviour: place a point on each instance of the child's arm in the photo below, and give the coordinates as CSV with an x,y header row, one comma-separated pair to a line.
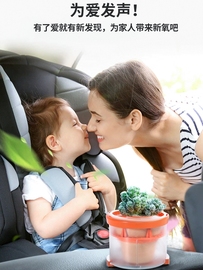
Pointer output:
x,y
49,223
100,182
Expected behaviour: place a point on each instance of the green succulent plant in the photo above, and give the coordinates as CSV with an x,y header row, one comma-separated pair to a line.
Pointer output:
x,y
135,202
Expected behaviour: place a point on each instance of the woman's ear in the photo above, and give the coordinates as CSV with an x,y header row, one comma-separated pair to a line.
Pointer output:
x,y
135,118
52,143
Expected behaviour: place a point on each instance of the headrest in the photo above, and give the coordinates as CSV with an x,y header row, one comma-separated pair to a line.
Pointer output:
x,y
12,115
34,78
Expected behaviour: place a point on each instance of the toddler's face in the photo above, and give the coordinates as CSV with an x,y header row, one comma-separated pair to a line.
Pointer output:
x,y
73,135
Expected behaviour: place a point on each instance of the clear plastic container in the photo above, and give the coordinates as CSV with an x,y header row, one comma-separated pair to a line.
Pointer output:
x,y
137,242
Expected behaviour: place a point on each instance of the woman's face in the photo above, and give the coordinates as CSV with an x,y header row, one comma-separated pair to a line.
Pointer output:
x,y
111,131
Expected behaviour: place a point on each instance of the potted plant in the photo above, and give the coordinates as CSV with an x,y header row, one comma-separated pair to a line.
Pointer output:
x,y
138,231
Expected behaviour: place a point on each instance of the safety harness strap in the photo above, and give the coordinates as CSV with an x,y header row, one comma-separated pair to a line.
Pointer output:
x,y
91,223
62,183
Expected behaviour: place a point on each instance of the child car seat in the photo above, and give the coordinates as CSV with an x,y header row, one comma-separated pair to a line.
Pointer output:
x,y
11,207
34,78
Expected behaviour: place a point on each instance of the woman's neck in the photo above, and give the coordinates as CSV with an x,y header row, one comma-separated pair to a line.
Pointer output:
x,y
169,131
163,135
168,146
165,139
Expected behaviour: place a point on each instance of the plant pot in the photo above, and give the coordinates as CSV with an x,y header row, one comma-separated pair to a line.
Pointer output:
x,y
137,242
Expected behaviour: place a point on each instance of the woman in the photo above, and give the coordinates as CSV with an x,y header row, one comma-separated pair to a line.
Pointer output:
x,y
127,107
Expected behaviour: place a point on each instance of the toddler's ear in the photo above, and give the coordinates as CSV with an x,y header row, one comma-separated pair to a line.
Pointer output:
x,y
52,143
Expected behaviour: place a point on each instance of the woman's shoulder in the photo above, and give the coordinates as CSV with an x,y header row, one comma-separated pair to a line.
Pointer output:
x,y
185,108
191,114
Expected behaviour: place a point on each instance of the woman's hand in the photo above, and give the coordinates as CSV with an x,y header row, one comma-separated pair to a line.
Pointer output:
x,y
87,197
169,185
100,182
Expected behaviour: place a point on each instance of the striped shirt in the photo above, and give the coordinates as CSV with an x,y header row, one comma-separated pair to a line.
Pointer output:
x,y
191,127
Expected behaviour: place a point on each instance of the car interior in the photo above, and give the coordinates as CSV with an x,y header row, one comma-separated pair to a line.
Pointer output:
x,y
25,78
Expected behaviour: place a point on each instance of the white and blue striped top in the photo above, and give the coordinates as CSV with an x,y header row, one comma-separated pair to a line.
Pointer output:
x,y
191,127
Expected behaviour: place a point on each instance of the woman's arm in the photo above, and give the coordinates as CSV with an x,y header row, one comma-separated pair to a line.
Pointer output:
x,y
199,146
169,185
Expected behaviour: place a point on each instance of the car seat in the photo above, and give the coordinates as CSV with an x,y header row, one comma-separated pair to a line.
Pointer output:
x,y
11,207
193,208
26,78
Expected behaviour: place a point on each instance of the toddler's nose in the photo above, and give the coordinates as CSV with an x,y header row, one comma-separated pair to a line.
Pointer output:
x,y
84,127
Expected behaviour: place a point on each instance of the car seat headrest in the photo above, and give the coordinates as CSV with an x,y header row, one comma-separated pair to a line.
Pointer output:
x,y
36,78
13,118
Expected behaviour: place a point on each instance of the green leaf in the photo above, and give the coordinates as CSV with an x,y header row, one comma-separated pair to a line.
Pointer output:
x,y
69,165
98,173
16,237
50,152
19,152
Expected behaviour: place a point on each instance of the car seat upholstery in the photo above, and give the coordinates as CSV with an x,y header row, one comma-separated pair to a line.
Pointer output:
x,y
35,78
96,260
193,208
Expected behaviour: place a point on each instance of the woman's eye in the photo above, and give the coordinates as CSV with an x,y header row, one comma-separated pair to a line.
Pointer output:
x,y
98,121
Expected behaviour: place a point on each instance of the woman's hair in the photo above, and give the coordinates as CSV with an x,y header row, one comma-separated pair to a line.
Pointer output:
x,y
43,120
128,86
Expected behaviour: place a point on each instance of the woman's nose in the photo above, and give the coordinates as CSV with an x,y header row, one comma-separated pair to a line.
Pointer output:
x,y
90,126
